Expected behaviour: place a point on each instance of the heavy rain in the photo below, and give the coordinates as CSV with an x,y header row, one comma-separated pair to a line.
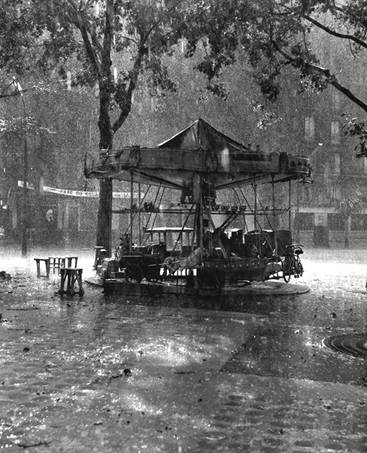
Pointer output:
x,y
123,374
183,226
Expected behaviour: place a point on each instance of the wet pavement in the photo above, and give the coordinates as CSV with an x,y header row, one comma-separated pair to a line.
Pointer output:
x,y
98,374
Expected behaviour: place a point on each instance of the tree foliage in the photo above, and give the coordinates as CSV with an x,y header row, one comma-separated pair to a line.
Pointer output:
x,y
276,35
108,43
111,43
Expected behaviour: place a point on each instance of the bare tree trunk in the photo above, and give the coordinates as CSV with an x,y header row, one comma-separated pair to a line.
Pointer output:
x,y
104,225
104,222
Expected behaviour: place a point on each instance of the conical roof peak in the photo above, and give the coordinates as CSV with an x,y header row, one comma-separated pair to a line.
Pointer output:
x,y
201,135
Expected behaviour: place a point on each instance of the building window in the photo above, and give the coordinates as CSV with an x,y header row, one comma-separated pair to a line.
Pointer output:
x,y
183,45
335,132
359,222
309,128
336,193
327,172
335,99
336,222
361,71
364,163
337,163
306,194
304,221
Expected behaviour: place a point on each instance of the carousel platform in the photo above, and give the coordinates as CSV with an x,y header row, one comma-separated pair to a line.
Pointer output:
x,y
158,289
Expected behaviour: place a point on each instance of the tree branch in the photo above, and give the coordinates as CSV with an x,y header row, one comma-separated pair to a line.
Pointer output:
x,y
335,33
128,38
330,78
107,38
80,23
16,93
157,22
93,35
336,84
124,102
91,52
124,99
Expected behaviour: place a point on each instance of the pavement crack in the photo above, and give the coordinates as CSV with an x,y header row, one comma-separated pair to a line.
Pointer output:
x,y
37,444
184,372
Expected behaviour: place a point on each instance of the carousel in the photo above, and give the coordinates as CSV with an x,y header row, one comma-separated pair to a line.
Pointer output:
x,y
207,246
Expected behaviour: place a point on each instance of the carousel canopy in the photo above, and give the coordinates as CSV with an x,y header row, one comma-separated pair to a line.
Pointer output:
x,y
202,150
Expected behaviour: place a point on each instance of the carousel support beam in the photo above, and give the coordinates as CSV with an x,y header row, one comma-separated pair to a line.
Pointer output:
x,y
155,213
273,200
181,236
154,204
198,199
254,186
290,205
125,211
131,209
139,212
239,203
274,215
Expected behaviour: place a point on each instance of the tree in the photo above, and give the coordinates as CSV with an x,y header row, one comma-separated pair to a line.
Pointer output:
x,y
112,43
277,35
108,43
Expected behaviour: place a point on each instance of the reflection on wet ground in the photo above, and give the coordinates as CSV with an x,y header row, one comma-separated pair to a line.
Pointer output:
x,y
114,374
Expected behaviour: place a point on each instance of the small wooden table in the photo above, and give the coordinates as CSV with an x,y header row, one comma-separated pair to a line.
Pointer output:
x,y
47,266
71,276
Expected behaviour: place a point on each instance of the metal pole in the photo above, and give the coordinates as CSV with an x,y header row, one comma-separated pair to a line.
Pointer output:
x,y
201,226
131,209
25,193
274,216
297,230
139,212
255,205
273,200
290,205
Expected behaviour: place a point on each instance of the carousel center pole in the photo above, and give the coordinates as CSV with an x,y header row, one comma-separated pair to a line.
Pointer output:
x,y
139,212
198,199
290,205
274,216
254,186
131,209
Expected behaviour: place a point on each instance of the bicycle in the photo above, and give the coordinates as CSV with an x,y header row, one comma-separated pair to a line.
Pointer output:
x,y
291,265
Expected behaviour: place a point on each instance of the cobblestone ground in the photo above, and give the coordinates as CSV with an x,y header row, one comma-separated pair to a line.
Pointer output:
x,y
123,375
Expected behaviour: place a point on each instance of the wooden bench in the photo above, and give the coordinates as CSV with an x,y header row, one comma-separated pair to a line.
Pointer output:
x,y
71,276
56,262
71,261
47,266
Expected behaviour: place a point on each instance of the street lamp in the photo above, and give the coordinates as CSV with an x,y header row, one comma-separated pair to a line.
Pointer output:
x,y
25,175
25,189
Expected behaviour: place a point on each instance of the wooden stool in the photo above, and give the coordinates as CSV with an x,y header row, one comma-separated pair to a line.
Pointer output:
x,y
56,263
47,265
71,275
71,261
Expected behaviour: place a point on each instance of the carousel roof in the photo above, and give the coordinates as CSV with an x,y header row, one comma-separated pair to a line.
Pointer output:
x,y
198,149
201,135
